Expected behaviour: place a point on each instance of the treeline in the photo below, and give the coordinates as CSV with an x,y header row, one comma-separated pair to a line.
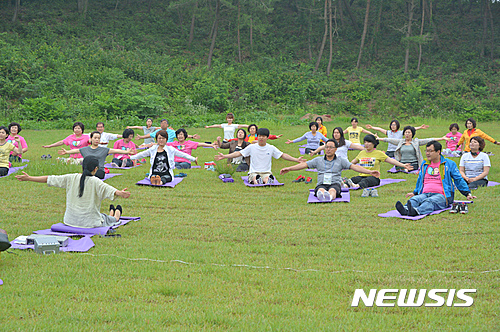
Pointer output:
x,y
138,58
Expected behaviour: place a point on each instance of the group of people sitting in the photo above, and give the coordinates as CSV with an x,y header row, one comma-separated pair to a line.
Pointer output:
x,y
437,176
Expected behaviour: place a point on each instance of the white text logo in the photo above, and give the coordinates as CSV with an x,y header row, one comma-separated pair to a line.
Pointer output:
x,y
414,297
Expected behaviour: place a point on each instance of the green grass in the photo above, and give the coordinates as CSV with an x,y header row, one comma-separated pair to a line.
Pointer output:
x,y
257,258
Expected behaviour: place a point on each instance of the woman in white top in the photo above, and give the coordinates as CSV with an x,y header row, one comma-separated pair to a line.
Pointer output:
x,y
84,194
162,159
229,127
475,165
344,145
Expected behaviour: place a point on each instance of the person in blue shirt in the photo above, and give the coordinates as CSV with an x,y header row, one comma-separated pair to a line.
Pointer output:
x,y
313,138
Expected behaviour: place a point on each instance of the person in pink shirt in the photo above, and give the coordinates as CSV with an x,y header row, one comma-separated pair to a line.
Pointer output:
x,y
186,147
15,129
76,141
454,136
123,160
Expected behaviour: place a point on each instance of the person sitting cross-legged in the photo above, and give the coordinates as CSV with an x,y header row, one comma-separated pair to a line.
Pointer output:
x,y
435,189
329,168
261,155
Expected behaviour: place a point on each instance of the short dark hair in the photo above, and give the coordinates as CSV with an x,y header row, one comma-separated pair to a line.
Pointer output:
x,y
319,118
410,128
127,133
94,132
454,125
372,139
334,142
13,124
263,132
342,139
253,125
243,130
397,124
98,123
481,142
79,124
472,121
437,146
354,119
181,130
163,120
314,123
149,119
7,131
230,115
162,133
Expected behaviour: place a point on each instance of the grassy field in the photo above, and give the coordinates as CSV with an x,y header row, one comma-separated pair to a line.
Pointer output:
x,y
215,256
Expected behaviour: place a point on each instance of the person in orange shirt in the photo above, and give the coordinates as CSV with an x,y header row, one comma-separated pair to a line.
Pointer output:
x,y
471,131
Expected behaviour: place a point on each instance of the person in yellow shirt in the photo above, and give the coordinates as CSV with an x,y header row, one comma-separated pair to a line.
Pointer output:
x,y
471,131
321,128
355,131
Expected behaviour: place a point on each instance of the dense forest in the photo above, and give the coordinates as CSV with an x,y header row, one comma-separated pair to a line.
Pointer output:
x,y
62,60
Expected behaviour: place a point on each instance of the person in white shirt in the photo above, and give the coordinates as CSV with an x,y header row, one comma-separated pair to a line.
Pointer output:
x,y
105,137
261,155
229,127
84,194
475,165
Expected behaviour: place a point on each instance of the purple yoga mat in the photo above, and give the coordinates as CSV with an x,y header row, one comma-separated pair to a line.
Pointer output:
x,y
62,228
109,165
303,151
245,181
226,179
346,198
395,213
147,182
110,175
81,245
1,282
492,183
13,170
394,170
383,182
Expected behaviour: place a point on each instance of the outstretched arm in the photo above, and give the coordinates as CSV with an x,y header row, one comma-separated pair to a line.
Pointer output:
x,y
382,130
134,127
26,177
367,132
221,156
321,148
356,146
424,126
242,126
363,170
62,152
214,126
122,193
205,145
58,143
297,167
397,163
286,156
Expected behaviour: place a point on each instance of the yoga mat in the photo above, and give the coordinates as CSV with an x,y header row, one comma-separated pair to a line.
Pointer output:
x,y
394,170
311,170
346,198
492,184
303,151
245,181
448,155
147,182
62,228
395,213
1,282
225,179
383,182
110,175
13,170
110,165
188,168
81,245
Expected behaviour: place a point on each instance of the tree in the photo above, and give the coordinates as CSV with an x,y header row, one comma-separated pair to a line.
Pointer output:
x,y
410,6
365,28
214,34
17,7
324,38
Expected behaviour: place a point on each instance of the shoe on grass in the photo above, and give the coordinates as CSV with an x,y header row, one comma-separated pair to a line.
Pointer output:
x,y
454,208
464,208
374,193
401,208
366,193
309,180
300,178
